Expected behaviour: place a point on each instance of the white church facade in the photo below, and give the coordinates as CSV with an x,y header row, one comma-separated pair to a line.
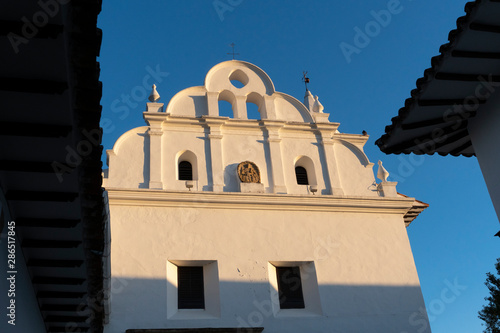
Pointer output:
x,y
230,224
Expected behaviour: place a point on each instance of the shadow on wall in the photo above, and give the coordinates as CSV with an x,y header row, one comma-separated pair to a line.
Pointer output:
x,y
142,303
208,161
200,105
145,169
324,167
363,160
267,156
231,182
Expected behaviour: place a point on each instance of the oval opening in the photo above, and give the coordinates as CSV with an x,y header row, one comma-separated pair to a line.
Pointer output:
x,y
238,78
237,84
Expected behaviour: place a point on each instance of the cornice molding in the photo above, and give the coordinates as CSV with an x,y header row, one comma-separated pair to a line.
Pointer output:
x,y
352,138
258,201
152,132
229,125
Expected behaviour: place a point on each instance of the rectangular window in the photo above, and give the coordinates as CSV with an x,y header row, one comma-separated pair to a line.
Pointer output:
x,y
290,287
190,288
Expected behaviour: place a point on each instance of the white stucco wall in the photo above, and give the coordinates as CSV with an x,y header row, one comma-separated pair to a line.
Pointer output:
x,y
482,130
131,154
130,159
364,266
147,157
351,244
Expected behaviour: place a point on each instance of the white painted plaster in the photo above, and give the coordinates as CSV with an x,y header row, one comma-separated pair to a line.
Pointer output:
x,y
366,276
350,242
150,157
251,187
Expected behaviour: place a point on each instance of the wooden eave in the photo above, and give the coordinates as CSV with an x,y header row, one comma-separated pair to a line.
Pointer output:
x,y
50,97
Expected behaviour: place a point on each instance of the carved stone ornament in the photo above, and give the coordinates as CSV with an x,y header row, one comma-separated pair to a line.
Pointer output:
x,y
317,106
382,173
248,172
154,96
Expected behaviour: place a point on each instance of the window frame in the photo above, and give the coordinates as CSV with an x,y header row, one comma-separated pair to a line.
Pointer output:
x,y
211,292
310,290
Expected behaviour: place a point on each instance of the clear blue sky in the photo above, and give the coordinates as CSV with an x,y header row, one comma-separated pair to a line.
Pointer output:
x,y
453,239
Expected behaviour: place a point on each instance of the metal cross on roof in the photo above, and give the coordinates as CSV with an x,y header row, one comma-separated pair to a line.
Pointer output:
x,y
305,79
233,45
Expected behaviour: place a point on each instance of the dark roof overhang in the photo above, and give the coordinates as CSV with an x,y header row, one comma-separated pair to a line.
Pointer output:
x,y
462,78
417,208
50,166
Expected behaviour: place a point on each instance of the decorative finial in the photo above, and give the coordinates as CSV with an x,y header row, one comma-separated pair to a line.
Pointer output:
x,y
154,97
317,106
382,173
233,45
305,79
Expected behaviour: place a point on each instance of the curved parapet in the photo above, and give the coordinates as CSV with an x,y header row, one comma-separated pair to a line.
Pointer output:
x,y
125,137
355,169
190,102
291,109
128,159
238,83
358,152
298,150
250,76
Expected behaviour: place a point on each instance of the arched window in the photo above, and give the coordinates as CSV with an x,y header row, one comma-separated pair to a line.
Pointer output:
x,y
301,174
225,109
253,111
255,104
185,171
227,104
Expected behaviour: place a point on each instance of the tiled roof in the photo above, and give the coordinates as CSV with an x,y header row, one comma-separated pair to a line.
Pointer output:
x,y
417,208
460,81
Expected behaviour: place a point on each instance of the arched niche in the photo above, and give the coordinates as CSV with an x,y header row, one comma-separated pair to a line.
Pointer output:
x,y
225,97
225,109
187,156
306,163
255,106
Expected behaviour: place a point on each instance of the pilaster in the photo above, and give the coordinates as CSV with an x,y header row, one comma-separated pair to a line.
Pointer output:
x,y
154,107
388,189
240,108
217,168
213,103
328,143
274,142
269,108
154,116
155,149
